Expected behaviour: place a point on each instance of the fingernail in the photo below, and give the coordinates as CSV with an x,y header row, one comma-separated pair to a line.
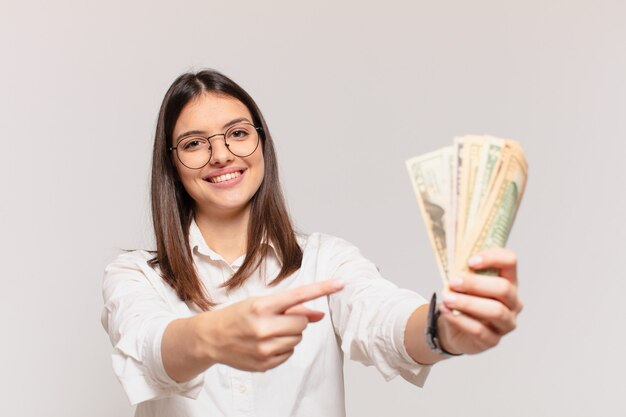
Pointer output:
x,y
475,260
338,284
456,281
449,298
456,313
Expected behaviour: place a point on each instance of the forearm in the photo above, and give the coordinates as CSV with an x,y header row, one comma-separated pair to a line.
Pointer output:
x,y
415,338
184,355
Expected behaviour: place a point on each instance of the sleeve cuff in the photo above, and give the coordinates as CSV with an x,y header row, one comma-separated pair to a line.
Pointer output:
x,y
165,385
410,370
143,375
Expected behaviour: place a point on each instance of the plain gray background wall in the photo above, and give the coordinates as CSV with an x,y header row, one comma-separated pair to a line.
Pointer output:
x,y
350,89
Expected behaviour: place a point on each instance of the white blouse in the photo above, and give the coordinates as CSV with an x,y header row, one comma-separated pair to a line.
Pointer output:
x,y
366,321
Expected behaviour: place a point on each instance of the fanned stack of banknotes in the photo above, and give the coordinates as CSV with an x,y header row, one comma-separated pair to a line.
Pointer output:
x,y
469,194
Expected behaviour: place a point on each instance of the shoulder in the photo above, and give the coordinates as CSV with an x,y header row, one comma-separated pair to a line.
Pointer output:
x,y
324,246
132,257
130,260
131,269
319,240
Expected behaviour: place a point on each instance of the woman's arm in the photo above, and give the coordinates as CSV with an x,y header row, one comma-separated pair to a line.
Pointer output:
x,y
476,312
415,339
256,334
181,352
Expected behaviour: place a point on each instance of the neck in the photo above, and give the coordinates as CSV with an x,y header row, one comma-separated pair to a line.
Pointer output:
x,y
225,233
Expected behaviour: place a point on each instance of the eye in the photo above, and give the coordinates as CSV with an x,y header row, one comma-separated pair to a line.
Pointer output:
x,y
239,133
193,144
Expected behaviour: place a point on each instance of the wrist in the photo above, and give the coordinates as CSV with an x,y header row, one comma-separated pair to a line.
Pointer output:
x,y
434,330
442,339
202,327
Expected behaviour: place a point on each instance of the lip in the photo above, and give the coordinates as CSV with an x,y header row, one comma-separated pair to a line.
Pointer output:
x,y
223,171
227,183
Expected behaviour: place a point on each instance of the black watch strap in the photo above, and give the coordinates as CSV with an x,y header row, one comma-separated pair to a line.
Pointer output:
x,y
432,337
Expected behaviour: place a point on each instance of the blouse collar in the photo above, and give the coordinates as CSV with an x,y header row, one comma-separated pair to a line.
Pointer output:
x,y
197,243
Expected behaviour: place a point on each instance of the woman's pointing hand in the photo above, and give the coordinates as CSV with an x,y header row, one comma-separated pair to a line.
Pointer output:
x,y
260,333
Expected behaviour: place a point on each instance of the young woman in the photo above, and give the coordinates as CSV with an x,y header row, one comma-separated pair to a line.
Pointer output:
x,y
215,323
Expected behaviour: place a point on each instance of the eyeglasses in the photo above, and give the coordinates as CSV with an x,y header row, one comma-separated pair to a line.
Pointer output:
x,y
195,151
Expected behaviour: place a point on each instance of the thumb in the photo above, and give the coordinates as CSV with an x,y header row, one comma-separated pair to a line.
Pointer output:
x,y
301,310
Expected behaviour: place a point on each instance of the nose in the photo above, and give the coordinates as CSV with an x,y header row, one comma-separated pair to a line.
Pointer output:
x,y
220,154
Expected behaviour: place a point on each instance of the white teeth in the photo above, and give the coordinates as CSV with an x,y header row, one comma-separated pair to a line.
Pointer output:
x,y
225,177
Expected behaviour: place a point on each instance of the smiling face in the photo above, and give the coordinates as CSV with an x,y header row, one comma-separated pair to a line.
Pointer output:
x,y
225,185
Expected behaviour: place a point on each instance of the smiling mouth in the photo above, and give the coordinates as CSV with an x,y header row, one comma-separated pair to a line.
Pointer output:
x,y
225,177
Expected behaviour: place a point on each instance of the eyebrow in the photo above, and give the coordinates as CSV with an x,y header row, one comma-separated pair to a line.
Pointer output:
x,y
201,132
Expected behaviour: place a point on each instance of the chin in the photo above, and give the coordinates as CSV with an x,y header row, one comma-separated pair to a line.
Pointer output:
x,y
223,207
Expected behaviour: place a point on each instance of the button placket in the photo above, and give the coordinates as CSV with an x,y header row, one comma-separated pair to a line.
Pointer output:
x,y
241,383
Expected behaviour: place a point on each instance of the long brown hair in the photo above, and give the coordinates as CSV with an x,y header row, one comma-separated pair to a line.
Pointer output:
x,y
172,207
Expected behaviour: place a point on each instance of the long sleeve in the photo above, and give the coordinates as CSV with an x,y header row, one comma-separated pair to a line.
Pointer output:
x,y
370,315
138,306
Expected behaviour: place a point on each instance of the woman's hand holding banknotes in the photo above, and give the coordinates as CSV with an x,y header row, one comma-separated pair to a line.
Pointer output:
x,y
479,309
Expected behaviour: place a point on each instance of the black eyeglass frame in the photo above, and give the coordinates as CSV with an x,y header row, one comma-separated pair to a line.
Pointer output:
x,y
208,139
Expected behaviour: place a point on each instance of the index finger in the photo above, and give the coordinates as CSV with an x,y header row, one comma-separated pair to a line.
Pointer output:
x,y
286,299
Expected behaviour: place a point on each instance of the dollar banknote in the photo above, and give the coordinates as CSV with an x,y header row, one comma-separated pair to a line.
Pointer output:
x,y
469,194
431,179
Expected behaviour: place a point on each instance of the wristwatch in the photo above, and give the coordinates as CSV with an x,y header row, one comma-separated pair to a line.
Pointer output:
x,y
432,337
